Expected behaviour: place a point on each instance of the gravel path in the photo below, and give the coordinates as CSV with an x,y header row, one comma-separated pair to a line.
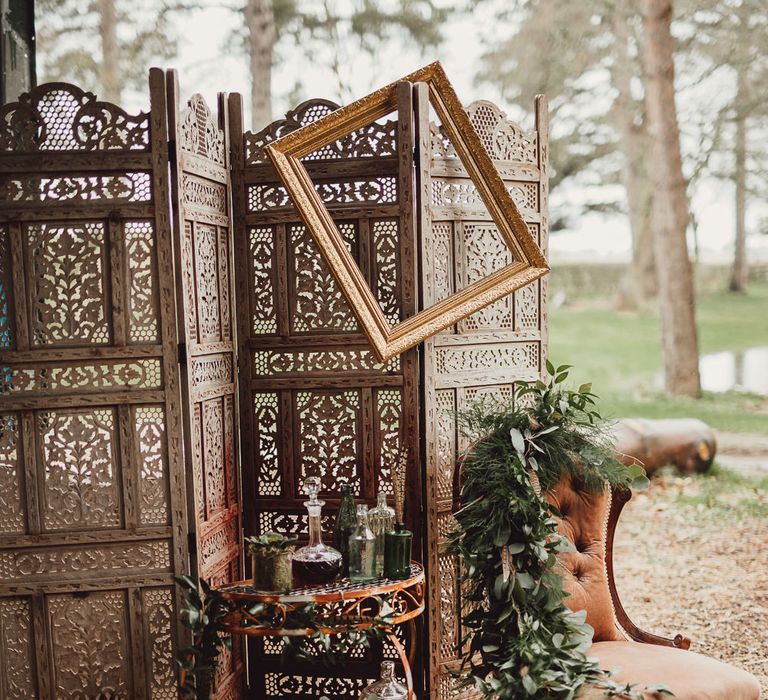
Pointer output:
x,y
699,568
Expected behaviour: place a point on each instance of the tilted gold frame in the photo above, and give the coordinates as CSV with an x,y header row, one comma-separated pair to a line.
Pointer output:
x,y
387,341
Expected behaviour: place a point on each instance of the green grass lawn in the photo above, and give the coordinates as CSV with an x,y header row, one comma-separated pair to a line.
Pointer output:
x,y
620,353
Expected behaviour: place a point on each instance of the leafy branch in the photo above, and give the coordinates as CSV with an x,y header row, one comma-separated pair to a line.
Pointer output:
x,y
522,640
328,640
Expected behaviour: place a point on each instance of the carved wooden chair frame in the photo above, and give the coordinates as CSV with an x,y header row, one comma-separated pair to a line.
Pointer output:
x,y
528,262
618,500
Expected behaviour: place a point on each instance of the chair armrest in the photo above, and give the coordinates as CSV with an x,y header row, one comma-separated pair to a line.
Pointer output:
x,y
618,500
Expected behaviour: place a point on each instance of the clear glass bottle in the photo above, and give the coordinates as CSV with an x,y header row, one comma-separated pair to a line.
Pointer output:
x,y
362,549
381,520
316,562
346,522
387,687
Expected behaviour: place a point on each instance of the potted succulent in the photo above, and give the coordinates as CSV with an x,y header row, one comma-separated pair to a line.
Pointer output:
x,y
271,558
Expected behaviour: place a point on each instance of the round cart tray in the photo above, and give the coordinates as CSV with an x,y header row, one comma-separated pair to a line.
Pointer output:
x,y
383,602
335,591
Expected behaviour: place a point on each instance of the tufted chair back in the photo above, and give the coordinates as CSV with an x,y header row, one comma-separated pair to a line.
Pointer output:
x,y
585,522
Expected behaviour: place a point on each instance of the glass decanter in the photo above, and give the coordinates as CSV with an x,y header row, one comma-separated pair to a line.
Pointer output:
x,y
316,562
386,687
362,549
381,520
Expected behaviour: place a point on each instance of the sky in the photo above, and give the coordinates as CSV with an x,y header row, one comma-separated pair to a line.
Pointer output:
x,y
207,64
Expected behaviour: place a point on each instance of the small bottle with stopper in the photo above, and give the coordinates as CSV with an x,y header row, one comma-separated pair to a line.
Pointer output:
x,y
316,562
362,549
387,687
381,520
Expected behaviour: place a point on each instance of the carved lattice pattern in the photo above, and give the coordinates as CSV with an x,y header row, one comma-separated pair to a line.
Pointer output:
x,y
16,638
318,302
68,284
315,398
90,497
82,483
153,471
91,646
143,317
158,622
484,354
329,429
12,514
201,204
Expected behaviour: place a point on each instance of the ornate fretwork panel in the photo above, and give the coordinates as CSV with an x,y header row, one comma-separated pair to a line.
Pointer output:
x,y
79,461
329,429
143,317
314,399
149,424
378,140
62,117
33,190
91,645
319,305
12,512
157,604
200,197
482,356
17,678
92,528
268,477
68,284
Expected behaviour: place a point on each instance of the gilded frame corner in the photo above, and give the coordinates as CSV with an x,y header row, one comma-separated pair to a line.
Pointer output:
x,y
387,341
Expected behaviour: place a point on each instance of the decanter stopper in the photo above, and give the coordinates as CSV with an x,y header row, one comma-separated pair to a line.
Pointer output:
x,y
312,488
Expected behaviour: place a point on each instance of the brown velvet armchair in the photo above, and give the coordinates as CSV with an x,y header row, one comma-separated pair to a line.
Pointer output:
x,y
589,521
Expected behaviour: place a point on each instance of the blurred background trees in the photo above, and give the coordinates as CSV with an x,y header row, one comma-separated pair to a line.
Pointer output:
x,y
630,137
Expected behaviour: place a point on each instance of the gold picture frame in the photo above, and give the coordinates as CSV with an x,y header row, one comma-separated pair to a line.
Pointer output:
x,y
387,341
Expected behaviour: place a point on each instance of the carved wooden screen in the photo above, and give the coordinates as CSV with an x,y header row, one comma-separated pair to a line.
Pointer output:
x,y
487,352
201,206
92,521
314,400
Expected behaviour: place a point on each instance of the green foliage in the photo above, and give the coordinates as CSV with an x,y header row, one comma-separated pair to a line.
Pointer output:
x,y
522,641
203,612
330,640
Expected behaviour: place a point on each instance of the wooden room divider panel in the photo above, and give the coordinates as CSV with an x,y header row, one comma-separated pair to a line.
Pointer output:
x,y
101,385
314,399
92,516
200,176
486,353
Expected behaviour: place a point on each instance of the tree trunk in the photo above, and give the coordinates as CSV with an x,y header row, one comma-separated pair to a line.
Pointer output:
x,y
109,68
740,270
260,21
670,210
639,284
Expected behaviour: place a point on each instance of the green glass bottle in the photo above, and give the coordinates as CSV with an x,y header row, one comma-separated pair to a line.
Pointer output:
x,y
346,522
397,553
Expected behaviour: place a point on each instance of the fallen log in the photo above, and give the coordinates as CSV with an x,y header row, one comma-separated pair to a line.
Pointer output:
x,y
685,443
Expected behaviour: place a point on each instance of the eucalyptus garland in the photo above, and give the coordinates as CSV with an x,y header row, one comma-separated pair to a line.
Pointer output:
x,y
522,640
